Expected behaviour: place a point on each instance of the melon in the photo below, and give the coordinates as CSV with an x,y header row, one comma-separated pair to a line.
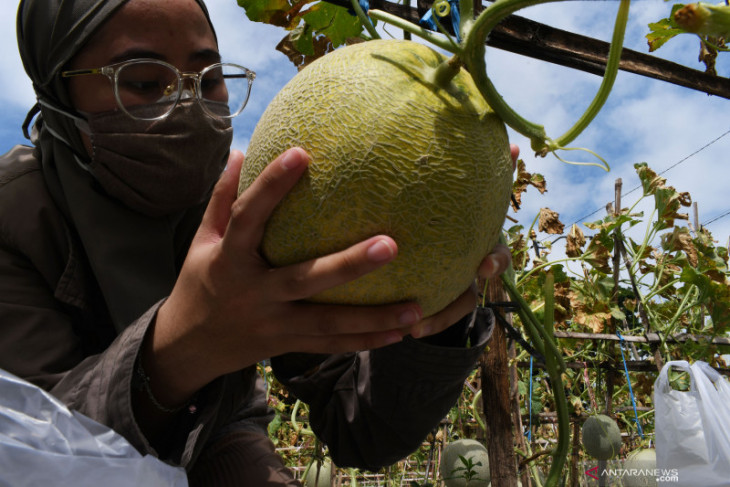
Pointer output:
x,y
394,152
319,474
601,437
453,468
641,466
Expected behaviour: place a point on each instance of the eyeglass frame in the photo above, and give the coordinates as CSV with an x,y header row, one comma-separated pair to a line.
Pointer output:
x,y
111,71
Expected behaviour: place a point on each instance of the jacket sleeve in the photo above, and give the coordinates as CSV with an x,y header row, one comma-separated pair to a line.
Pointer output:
x,y
375,407
47,315
39,344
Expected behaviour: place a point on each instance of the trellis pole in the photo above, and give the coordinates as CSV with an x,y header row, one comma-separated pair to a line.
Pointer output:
x,y
494,374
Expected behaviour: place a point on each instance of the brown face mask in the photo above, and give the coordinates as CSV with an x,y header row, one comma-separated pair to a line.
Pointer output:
x,y
158,167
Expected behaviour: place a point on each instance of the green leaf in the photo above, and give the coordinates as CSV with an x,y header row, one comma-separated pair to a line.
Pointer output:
x,y
317,27
559,274
301,39
664,30
714,295
661,32
617,313
333,21
650,181
668,202
275,425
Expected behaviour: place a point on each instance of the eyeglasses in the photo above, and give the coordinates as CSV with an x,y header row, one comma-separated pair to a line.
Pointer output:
x,y
156,87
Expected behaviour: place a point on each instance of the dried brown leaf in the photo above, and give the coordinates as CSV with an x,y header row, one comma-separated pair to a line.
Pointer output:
x,y
680,239
597,256
523,179
563,307
518,247
595,321
575,242
708,56
549,222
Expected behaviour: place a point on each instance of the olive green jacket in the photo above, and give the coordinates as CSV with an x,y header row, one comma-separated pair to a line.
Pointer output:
x,y
371,408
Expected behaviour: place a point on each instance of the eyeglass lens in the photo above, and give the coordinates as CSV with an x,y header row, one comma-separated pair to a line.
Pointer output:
x,y
224,89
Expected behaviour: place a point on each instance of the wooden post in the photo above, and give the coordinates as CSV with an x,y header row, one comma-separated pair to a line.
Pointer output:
x,y
496,399
610,375
696,215
610,346
575,455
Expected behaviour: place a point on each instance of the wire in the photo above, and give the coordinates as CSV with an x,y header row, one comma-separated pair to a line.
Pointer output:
x,y
684,159
716,218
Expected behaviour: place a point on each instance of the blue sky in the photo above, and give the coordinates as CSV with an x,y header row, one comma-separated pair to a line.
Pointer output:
x,y
643,121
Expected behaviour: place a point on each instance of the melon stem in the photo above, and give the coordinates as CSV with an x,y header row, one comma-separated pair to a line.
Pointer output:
x,y
474,58
472,52
365,20
446,71
612,64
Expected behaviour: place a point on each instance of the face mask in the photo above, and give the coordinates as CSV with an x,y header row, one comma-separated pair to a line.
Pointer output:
x,y
158,167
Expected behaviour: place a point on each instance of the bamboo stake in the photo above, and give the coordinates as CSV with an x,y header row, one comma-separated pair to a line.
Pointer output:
x,y
647,338
610,347
575,456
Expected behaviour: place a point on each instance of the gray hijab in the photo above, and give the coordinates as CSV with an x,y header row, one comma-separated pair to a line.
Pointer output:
x,y
135,258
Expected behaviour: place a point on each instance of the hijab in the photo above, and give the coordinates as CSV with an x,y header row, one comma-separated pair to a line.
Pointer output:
x,y
135,258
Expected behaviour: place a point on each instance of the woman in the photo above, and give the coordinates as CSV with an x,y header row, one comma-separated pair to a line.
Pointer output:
x,y
130,283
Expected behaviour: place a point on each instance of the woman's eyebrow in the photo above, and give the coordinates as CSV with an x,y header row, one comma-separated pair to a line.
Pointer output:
x,y
136,53
206,55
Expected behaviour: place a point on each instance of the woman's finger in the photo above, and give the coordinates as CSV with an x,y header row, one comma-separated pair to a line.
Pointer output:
x,y
496,262
301,281
256,204
514,153
224,194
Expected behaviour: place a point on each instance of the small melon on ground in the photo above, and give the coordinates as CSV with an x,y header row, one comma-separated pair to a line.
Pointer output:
x,y
601,437
455,472
319,474
641,465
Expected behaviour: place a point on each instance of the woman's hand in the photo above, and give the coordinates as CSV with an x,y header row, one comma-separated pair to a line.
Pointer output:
x,y
229,309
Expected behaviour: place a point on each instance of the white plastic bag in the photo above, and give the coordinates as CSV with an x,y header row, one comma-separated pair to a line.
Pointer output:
x,y
43,443
693,428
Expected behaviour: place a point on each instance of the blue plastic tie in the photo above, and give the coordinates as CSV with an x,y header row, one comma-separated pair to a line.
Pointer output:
x,y
428,22
628,381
